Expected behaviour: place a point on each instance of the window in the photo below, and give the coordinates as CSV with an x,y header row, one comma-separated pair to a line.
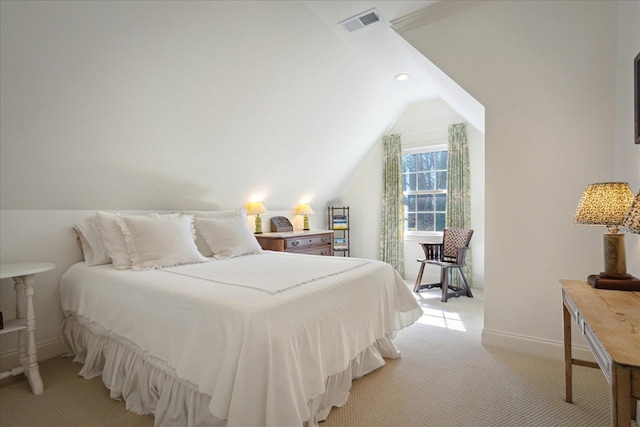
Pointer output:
x,y
424,186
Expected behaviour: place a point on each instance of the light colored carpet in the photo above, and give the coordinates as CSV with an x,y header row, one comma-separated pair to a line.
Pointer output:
x,y
444,378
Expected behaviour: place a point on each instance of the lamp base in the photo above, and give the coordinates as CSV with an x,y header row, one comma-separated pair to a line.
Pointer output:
x,y
258,225
620,283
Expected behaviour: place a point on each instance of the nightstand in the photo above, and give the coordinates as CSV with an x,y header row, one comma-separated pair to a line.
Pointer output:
x,y
299,242
25,322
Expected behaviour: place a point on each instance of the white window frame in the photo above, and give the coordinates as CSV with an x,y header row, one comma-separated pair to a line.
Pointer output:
x,y
425,149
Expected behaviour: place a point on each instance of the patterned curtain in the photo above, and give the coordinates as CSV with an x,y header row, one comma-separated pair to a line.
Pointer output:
x,y
392,232
459,187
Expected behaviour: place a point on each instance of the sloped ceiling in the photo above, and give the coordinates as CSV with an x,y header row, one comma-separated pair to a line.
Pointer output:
x,y
172,105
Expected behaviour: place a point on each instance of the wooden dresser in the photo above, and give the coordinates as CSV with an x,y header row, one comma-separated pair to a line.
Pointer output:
x,y
300,242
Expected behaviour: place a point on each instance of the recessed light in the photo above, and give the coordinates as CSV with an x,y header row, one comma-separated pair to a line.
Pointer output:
x,y
402,77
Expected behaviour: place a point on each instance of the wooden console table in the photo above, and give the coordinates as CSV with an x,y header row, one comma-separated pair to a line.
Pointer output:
x,y
610,324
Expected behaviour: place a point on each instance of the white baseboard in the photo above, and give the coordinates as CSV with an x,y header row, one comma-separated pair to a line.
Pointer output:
x,y
532,345
46,350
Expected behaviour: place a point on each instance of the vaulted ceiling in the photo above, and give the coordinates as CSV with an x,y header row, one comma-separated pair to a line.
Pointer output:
x,y
169,105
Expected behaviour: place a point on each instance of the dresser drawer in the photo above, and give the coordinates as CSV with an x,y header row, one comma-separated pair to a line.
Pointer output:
x,y
320,250
299,243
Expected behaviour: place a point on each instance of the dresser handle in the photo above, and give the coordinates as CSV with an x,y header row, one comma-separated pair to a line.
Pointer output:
x,y
325,239
295,243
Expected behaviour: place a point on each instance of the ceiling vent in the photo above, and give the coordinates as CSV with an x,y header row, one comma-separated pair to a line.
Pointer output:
x,y
362,20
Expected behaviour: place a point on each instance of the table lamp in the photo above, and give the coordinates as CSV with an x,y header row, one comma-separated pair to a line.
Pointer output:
x,y
257,209
305,209
607,204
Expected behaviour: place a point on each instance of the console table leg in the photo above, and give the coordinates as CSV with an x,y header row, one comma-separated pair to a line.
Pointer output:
x,y
621,396
566,322
21,314
31,369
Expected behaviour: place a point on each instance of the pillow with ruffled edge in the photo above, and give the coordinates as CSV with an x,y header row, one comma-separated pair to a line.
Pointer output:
x,y
228,237
93,247
201,243
113,240
160,241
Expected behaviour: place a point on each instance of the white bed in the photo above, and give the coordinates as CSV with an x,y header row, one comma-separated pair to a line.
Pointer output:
x,y
269,339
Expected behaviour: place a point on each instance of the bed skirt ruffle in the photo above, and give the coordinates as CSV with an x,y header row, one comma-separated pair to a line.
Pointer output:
x,y
149,386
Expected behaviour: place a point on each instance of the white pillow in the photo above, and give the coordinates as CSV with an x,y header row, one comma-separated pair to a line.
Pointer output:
x,y
228,237
201,243
160,241
93,247
114,240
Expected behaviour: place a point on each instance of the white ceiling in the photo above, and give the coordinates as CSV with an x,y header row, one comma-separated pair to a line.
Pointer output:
x,y
388,54
378,43
275,94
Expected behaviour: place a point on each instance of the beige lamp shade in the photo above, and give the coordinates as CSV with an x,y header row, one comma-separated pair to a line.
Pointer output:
x,y
631,222
256,208
304,209
604,203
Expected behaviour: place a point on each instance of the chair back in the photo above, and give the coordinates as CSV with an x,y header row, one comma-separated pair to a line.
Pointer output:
x,y
453,239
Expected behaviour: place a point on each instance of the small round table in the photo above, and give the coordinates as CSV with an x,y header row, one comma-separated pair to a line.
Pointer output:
x,y
23,275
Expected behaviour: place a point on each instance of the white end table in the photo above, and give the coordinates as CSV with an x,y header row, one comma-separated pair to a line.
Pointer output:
x,y
23,275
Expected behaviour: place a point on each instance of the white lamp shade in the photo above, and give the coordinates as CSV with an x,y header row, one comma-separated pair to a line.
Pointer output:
x,y
256,208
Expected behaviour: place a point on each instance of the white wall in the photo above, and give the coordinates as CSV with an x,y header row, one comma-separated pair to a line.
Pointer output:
x,y
546,75
196,105
627,154
420,124
363,194
170,105
174,105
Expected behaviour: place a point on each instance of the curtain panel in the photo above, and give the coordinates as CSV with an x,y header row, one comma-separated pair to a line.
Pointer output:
x,y
392,229
459,187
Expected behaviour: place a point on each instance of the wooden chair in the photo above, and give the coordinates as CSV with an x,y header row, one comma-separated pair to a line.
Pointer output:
x,y
448,255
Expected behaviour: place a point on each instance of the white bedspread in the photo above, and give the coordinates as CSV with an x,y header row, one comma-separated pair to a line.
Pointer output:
x,y
260,341
269,274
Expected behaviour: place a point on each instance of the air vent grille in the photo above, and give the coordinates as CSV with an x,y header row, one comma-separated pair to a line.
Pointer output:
x,y
362,20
